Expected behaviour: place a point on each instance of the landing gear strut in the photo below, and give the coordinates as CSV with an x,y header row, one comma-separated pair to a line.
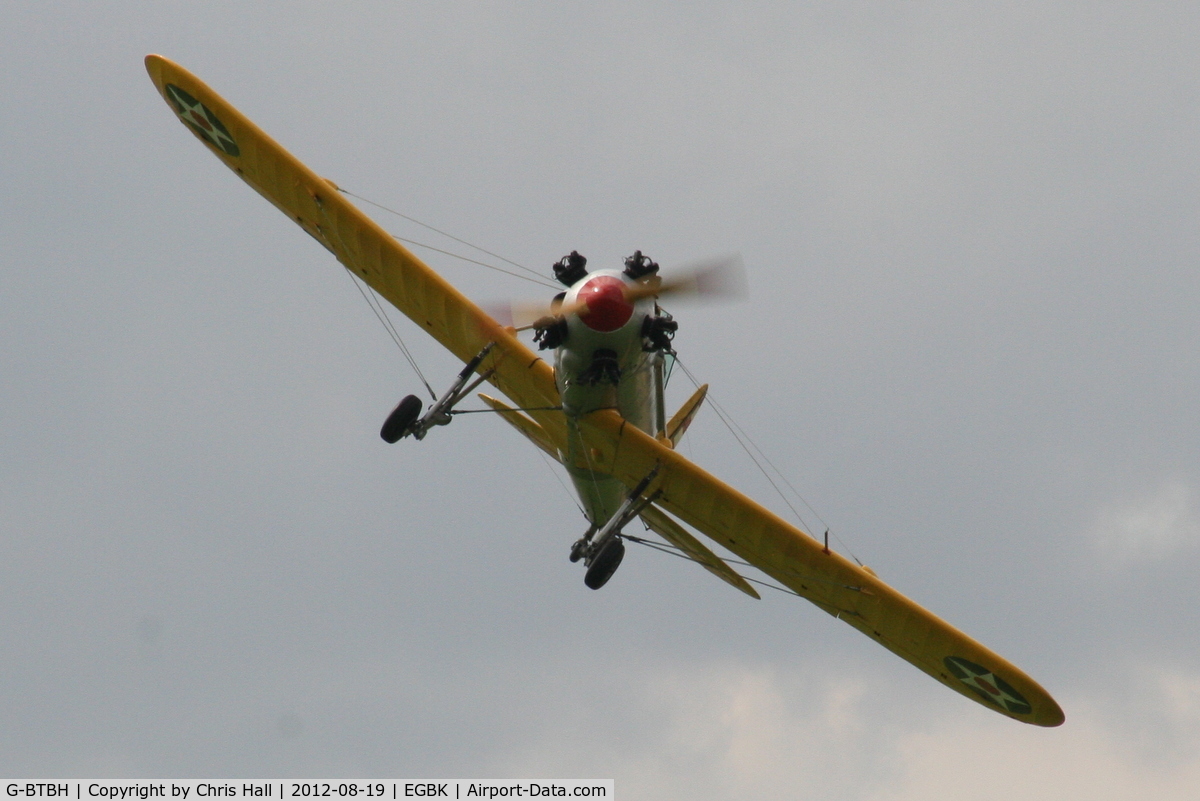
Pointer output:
x,y
603,552
580,546
406,418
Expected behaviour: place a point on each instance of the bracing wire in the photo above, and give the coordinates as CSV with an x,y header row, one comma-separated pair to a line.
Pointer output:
x,y
381,312
506,411
376,308
764,456
382,316
538,281
448,235
674,550
574,498
724,418
743,438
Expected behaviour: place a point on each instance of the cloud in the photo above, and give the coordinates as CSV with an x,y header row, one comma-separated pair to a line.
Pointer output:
x,y
986,762
1149,527
719,731
971,236
744,731
1181,692
1137,737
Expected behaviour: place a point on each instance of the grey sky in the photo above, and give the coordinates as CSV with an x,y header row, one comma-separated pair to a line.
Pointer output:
x,y
971,236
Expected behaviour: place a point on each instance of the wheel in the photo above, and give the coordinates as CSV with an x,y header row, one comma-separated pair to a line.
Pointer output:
x,y
403,416
605,563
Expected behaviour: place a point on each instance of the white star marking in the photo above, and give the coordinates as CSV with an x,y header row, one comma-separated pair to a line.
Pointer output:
x,y
194,113
986,684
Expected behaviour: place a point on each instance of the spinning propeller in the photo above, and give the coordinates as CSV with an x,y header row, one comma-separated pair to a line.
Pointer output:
x,y
606,302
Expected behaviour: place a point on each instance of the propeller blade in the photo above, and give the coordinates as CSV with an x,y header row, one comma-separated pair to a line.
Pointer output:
x,y
723,277
536,314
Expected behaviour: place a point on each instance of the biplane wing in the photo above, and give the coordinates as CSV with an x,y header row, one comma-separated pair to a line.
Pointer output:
x,y
849,592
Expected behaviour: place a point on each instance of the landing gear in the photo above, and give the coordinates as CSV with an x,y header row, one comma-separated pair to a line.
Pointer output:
x,y
605,563
406,419
579,548
603,550
602,558
401,419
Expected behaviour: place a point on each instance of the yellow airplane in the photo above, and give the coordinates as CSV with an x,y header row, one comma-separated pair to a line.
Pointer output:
x,y
598,410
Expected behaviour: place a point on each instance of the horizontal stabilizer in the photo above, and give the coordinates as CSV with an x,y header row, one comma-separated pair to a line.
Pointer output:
x,y
683,418
662,524
530,429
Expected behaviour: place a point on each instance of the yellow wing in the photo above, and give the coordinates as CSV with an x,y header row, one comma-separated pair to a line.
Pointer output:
x,y
358,242
845,590
779,549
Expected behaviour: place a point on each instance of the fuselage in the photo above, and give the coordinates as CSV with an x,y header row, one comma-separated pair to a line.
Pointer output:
x,y
607,333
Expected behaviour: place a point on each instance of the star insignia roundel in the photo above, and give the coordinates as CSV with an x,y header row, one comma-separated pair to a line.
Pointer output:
x,y
988,685
201,120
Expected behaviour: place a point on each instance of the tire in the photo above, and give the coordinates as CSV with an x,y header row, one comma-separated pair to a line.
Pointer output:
x,y
398,422
605,563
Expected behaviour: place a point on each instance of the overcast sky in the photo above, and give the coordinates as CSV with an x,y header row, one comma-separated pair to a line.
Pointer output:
x,y
971,235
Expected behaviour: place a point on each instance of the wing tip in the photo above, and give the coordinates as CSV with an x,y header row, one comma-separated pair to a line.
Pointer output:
x,y
1050,716
154,62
